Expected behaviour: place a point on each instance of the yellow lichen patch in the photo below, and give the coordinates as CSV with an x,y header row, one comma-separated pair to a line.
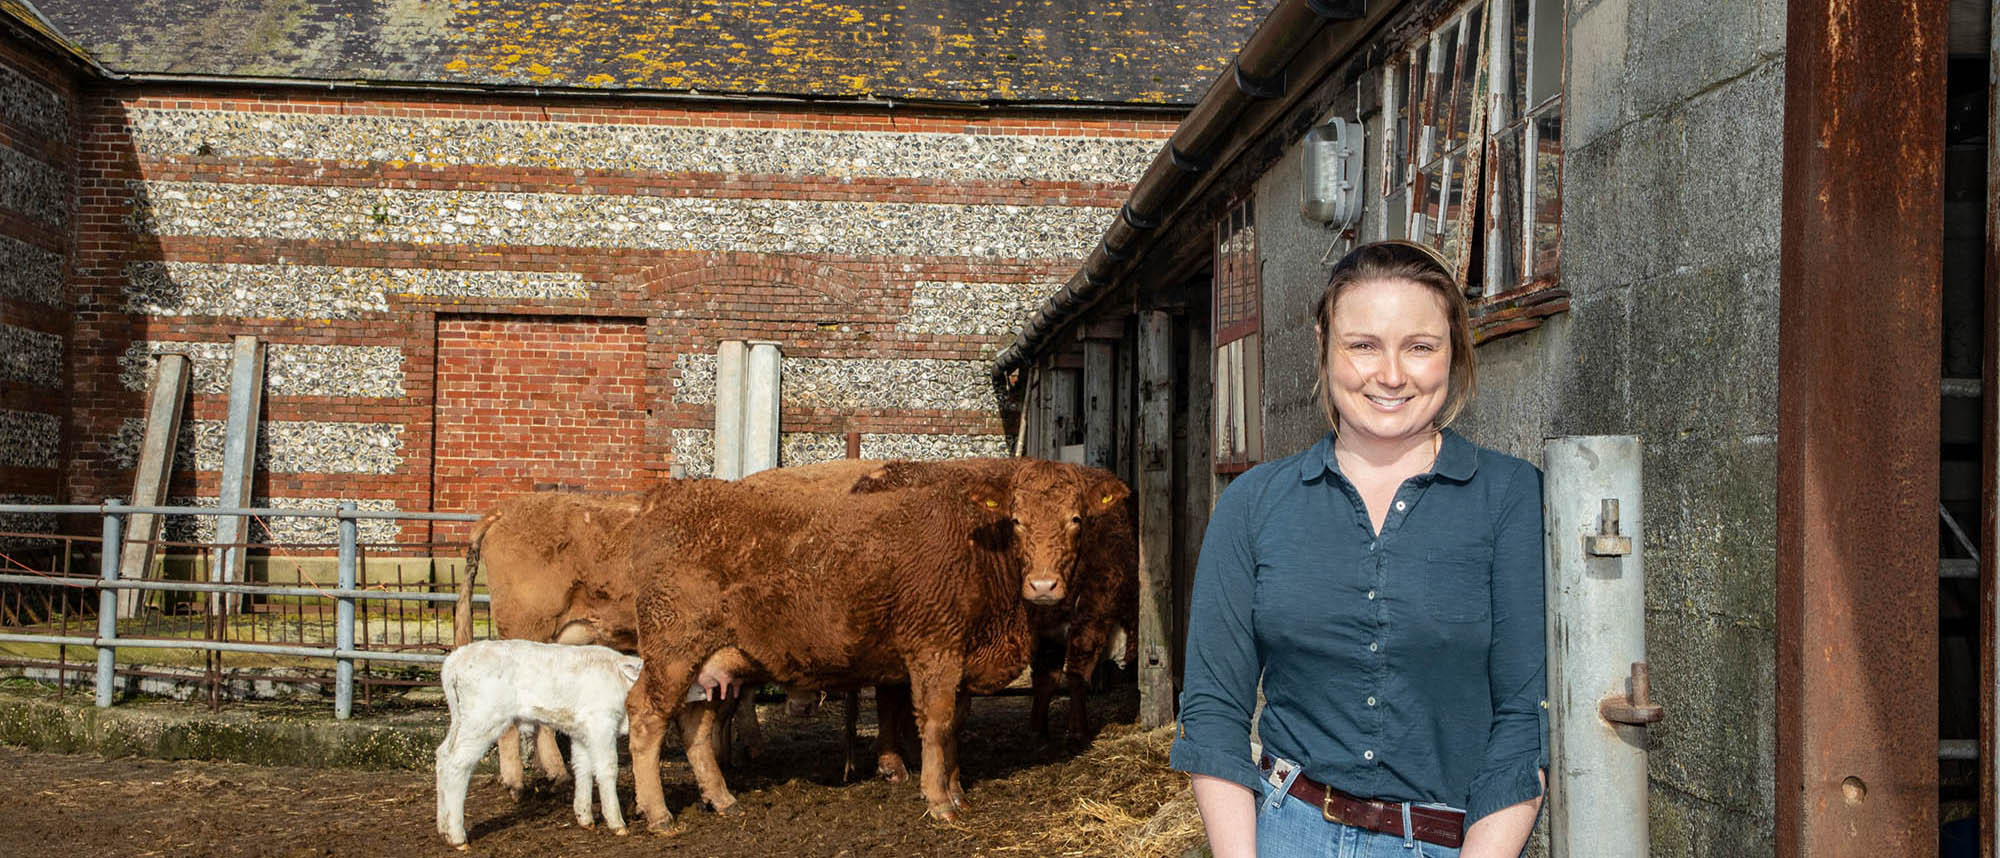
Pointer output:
x,y
600,79
455,65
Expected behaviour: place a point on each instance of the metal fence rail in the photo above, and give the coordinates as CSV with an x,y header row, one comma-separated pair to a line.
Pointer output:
x,y
346,595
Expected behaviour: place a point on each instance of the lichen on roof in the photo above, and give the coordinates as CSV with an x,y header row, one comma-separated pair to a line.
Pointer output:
x,y
1080,51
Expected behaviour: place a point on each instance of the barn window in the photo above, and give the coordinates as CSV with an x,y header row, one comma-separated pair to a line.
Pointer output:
x,y
1237,319
1473,153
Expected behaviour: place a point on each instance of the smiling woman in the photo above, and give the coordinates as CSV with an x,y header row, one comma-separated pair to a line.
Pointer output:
x,y
1385,588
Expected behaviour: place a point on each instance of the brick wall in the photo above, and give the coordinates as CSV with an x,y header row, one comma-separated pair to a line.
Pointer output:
x,y
37,175
527,404
889,252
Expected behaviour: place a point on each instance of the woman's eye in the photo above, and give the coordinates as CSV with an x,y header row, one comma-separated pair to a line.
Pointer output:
x,y
1423,347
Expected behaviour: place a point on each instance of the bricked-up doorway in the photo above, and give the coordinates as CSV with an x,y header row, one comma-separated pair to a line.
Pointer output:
x,y
536,402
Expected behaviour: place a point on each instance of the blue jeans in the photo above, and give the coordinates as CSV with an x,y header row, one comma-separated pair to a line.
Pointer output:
x,y
1290,828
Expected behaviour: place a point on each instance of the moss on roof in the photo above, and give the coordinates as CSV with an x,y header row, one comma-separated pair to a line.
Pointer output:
x,y
1088,51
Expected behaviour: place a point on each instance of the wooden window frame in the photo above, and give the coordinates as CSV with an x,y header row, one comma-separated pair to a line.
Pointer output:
x,y
1471,148
1236,363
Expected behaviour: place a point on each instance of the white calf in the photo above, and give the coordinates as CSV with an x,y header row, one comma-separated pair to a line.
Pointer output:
x,y
491,685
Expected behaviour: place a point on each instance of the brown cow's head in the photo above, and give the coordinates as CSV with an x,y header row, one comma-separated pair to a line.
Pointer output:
x,y
1052,501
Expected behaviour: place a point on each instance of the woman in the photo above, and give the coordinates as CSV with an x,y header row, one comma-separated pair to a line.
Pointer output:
x,y
1385,586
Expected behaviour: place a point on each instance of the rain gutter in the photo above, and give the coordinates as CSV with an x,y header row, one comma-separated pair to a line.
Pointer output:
x,y
1256,74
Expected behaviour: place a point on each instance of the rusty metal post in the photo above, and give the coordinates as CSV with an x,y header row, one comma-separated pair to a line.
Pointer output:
x,y
1861,260
1599,696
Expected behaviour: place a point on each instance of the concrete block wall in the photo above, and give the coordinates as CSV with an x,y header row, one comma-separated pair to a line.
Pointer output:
x,y
38,133
1671,181
400,255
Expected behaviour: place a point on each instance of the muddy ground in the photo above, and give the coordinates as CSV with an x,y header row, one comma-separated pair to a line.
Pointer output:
x,y
1028,799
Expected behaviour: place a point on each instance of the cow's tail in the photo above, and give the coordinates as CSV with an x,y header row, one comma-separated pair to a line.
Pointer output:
x,y
461,618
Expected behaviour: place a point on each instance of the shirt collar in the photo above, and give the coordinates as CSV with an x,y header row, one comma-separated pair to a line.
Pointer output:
x,y
1457,458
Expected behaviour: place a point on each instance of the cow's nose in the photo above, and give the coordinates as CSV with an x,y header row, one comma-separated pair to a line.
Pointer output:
x,y
1042,592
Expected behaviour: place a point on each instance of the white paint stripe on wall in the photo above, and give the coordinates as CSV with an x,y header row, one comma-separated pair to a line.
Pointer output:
x,y
319,291
281,530
29,439
838,383
167,133
29,273
30,357
34,188
297,213
976,309
289,369
26,102
694,449
283,447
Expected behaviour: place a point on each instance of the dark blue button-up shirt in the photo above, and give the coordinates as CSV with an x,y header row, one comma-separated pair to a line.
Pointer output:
x,y
1407,665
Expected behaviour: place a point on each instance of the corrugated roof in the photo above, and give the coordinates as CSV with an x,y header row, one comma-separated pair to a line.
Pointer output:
x,y
1089,51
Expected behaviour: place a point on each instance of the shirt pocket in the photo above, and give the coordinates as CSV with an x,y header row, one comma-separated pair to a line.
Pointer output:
x,y
1460,585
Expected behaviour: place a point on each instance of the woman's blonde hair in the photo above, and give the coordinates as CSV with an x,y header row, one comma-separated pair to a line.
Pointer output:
x,y
1397,259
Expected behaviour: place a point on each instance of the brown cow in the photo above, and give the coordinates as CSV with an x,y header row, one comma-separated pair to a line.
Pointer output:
x,y
1072,636
555,565
924,585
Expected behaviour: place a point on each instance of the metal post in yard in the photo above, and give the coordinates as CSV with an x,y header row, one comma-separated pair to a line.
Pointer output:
x,y
343,615
1599,694
107,600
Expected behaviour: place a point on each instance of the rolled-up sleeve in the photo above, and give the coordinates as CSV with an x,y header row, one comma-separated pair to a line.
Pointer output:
x,y
1219,691
1517,743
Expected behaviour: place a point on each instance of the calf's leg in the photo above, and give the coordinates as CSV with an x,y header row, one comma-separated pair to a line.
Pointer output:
x,y
580,796
699,723
464,745
647,726
1038,714
894,728
602,739
509,757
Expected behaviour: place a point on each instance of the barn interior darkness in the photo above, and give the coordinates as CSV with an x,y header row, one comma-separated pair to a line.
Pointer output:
x,y
1961,357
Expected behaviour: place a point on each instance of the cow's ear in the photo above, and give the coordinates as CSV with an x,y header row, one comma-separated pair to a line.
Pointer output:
x,y
891,475
1107,493
990,498
629,667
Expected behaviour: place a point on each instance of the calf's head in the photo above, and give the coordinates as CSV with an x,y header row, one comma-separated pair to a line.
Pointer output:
x,y
1051,504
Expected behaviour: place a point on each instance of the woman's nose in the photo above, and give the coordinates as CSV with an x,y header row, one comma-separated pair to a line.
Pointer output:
x,y
1390,372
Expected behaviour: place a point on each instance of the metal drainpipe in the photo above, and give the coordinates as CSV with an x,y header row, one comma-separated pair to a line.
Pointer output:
x,y
1257,72
1599,694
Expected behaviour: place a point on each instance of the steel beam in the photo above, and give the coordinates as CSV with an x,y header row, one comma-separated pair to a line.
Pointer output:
x,y
1861,250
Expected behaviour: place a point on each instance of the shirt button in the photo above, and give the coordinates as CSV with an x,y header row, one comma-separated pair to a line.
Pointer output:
x,y
1371,701
1368,755
1371,545
1371,595
1399,506
1372,647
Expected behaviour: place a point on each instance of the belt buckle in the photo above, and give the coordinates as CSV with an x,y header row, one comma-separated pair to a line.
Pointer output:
x,y
1326,809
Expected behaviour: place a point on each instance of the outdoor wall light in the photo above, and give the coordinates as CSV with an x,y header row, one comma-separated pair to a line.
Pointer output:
x,y
1330,178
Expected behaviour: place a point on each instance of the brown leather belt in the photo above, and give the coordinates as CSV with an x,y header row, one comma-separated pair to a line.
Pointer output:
x,y
1429,824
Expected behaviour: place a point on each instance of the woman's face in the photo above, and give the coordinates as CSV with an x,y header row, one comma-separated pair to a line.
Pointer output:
x,y
1387,359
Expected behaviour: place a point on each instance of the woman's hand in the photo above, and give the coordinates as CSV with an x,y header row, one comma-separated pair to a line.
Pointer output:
x,y
1229,813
